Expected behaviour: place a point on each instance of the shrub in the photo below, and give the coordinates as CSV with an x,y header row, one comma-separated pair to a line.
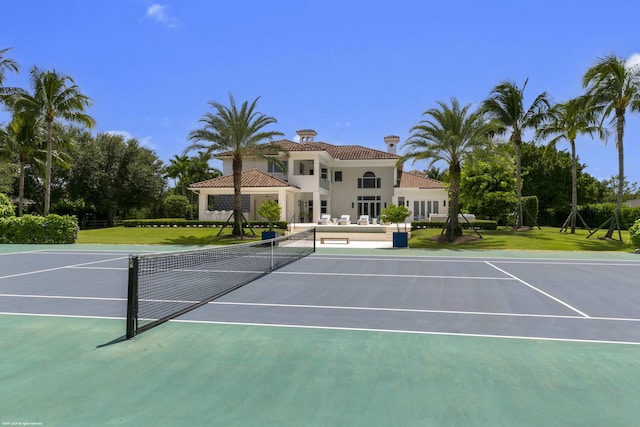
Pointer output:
x,y
6,207
36,229
176,206
634,232
271,211
395,214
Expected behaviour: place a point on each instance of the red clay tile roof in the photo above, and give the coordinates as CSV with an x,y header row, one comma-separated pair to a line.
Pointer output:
x,y
340,152
416,179
250,178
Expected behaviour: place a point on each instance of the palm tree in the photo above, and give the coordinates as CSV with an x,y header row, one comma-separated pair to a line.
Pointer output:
x,y
451,134
238,132
568,121
6,64
613,87
55,96
24,138
506,104
178,170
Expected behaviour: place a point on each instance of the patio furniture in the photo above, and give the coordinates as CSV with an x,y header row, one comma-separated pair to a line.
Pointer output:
x,y
344,220
363,220
324,219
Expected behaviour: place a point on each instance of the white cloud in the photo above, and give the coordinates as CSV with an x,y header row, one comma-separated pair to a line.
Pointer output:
x,y
634,60
158,13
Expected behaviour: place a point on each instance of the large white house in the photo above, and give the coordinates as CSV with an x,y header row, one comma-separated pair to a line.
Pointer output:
x,y
322,178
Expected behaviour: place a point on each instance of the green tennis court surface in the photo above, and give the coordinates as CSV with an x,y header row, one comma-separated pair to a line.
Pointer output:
x,y
376,338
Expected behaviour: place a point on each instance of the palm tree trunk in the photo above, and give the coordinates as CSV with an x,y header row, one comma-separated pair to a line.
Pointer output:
x,y
519,222
454,207
237,196
620,136
574,188
47,177
21,190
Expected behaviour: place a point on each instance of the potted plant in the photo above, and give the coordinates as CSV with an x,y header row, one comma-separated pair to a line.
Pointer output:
x,y
271,211
397,214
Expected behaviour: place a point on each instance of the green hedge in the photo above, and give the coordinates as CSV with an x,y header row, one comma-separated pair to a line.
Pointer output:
x,y
180,222
634,232
37,229
479,224
594,215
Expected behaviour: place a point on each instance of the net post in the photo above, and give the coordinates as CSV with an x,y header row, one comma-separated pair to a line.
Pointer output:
x,y
132,297
271,245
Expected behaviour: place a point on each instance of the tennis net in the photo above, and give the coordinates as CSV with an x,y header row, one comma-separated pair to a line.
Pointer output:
x,y
164,286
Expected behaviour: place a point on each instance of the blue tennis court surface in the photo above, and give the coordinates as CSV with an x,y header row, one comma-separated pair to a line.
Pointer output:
x,y
525,297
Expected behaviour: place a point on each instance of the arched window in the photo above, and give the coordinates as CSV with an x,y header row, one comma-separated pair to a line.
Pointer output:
x,y
369,180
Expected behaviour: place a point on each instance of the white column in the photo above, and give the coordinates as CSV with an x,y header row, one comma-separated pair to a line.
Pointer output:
x,y
283,202
316,206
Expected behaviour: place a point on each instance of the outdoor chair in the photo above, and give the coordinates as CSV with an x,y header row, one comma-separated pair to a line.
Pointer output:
x,y
324,219
363,220
344,220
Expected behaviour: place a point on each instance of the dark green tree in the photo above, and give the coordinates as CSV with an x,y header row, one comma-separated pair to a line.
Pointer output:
x,y
115,177
487,189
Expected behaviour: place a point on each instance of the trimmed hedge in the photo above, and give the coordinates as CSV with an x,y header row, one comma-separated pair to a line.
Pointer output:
x,y
37,229
634,232
181,222
479,224
594,215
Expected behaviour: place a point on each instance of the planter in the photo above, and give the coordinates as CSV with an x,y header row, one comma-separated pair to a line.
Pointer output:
x,y
400,239
266,235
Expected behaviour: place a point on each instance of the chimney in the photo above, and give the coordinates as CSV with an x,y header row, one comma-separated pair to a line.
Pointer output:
x,y
306,135
392,142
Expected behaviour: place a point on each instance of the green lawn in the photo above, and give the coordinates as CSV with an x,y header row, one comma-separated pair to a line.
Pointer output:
x,y
163,236
548,238
504,238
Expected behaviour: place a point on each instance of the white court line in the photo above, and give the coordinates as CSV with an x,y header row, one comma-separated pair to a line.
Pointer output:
x,y
61,297
539,290
453,334
431,258
72,316
415,310
419,276
60,268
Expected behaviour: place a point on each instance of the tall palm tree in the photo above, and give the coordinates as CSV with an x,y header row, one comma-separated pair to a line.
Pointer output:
x,y
614,87
24,139
239,132
55,96
506,104
451,134
568,121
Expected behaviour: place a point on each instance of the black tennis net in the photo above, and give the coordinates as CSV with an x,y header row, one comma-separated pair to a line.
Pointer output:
x,y
164,286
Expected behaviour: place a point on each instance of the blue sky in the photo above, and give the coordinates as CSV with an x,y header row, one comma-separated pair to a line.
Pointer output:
x,y
355,71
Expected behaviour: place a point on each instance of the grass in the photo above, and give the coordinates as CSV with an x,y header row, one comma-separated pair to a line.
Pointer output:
x,y
548,238
187,236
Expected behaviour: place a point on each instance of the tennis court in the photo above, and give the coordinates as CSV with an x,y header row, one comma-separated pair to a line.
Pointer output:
x,y
360,337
